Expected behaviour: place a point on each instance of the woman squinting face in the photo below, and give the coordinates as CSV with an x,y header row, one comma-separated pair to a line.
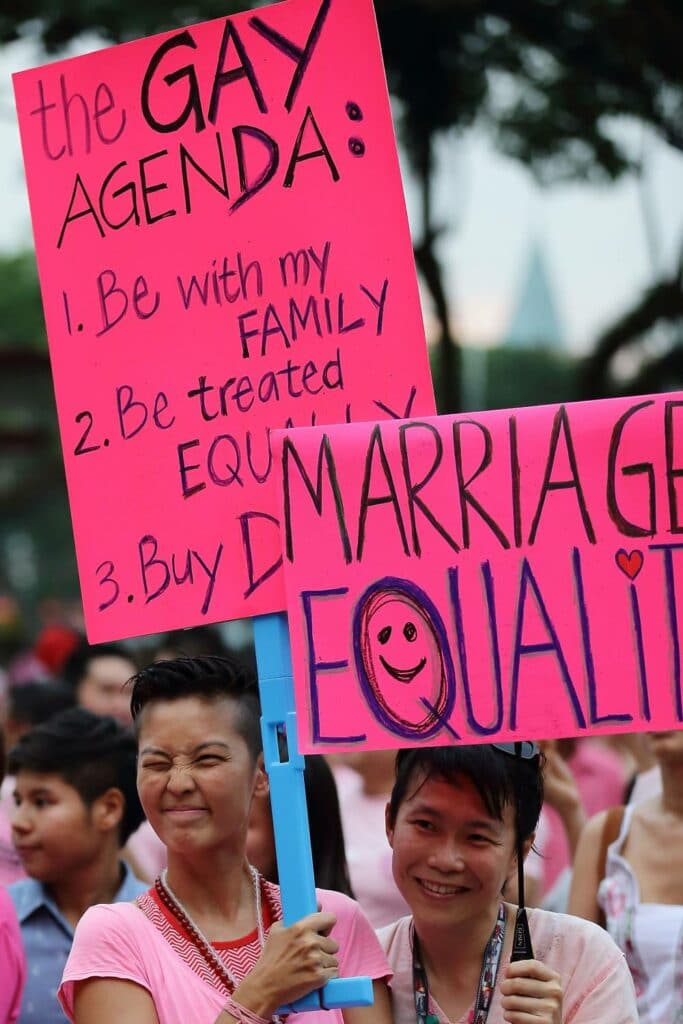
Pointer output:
x,y
451,858
196,775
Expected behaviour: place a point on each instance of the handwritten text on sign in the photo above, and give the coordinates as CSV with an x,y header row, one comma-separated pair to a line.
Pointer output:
x,y
506,574
223,249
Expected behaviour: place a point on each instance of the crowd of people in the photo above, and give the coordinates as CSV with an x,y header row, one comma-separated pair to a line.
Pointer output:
x,y
139,883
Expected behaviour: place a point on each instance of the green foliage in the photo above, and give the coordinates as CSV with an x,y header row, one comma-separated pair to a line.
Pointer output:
x,y
507,377
533,376
546,74
659,309
21,314
35,510
548,77
27,414
58,24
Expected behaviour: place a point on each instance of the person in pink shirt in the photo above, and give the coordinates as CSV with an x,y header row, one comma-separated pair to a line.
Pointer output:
x,y
330,869
456,819
12,961
206,943
364,780
600,779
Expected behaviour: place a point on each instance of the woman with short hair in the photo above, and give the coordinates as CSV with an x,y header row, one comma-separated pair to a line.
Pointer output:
x,y
205,945
455,820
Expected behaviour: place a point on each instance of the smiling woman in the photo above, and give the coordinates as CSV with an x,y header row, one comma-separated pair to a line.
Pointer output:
x,y
206,943
453,822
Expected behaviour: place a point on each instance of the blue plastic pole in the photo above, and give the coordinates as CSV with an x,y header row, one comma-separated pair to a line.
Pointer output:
x,y
288,803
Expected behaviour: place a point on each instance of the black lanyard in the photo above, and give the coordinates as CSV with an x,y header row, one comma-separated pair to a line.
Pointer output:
x,y
487,978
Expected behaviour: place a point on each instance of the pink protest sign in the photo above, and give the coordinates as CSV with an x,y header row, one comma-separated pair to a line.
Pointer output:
x,y
223,249
510,574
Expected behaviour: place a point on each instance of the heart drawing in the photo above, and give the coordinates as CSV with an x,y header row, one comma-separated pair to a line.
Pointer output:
x,y
630,563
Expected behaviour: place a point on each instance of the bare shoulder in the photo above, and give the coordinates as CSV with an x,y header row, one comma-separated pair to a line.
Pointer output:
x,y
590,842
593,828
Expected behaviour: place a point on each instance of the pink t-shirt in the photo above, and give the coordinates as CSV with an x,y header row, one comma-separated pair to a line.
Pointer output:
x,y
12,961
596,983
118,941
601,782
368,853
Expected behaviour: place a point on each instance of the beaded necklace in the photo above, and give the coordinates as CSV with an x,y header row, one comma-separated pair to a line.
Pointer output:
x,y
220,969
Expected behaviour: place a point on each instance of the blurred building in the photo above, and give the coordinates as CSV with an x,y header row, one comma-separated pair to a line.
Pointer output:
x,y
535,322
531,365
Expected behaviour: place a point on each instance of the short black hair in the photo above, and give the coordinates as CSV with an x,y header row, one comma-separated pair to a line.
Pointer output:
x,y
35,702
327,832
75,667
92,753
499,778
207,677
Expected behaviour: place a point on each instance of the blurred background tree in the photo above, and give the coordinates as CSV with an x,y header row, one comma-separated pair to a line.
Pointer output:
x,y
547,79
36,534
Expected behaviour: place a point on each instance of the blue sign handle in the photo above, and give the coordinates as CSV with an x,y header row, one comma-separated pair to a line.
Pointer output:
x,y
288,803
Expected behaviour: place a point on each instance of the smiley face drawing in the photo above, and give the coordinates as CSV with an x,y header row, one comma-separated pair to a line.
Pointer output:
x,y
403,660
